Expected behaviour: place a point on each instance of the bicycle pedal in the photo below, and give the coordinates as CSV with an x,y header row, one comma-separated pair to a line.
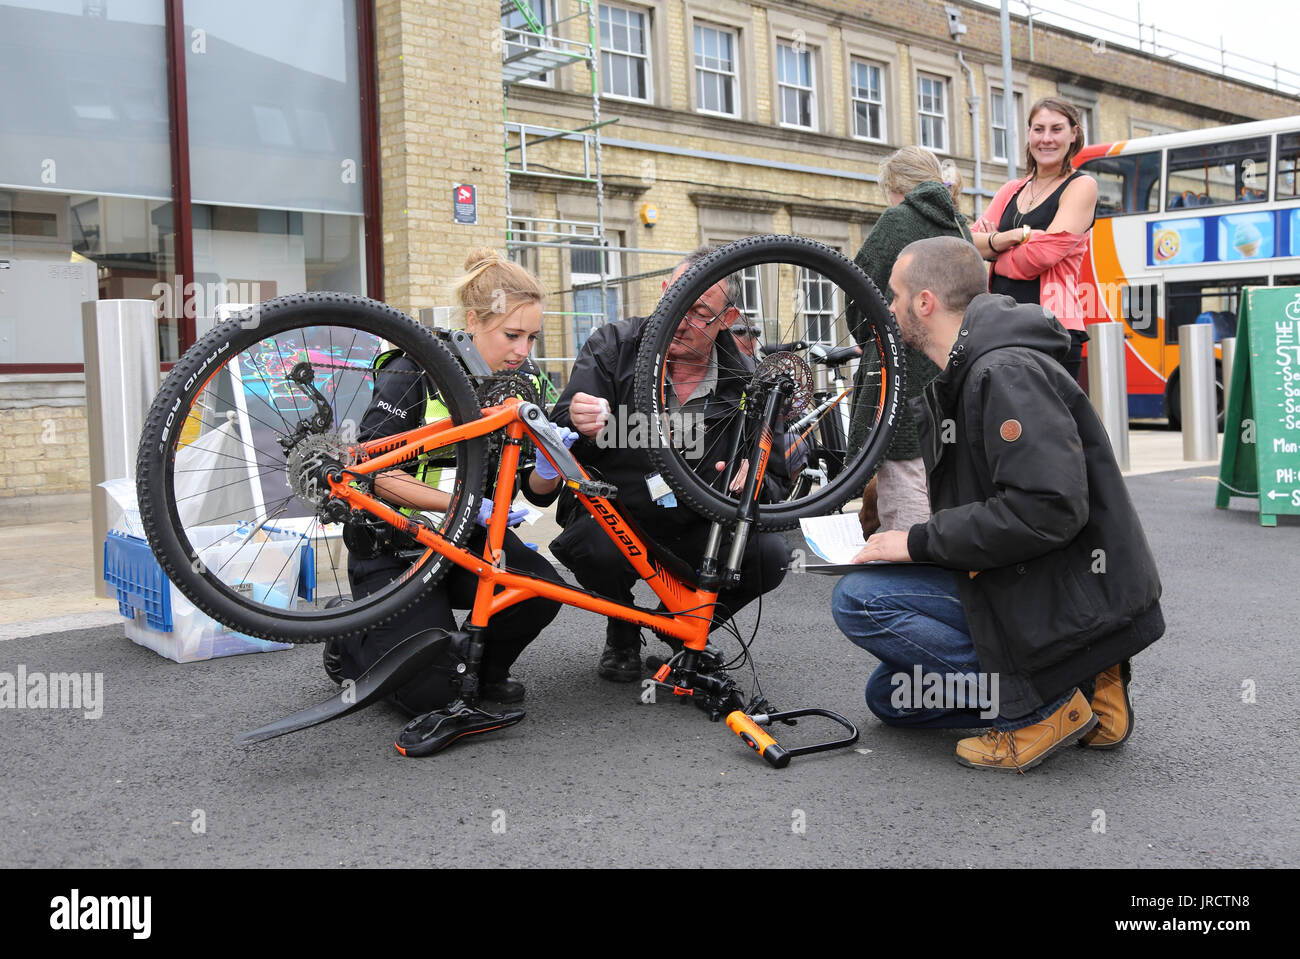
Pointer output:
x,y
596,488
438,729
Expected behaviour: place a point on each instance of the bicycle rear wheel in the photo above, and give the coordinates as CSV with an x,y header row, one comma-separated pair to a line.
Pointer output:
x,y
231,460
806,298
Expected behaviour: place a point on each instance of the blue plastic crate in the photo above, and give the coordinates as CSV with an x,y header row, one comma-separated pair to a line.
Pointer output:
x,y
131,568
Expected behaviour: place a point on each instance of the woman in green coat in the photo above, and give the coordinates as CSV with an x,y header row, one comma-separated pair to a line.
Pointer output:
x,y
922,200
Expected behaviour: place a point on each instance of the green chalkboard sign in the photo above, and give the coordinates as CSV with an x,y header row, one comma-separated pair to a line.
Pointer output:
x,y
1261,446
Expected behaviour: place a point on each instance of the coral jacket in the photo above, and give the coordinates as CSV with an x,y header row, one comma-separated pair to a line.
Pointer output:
x,y
1055,259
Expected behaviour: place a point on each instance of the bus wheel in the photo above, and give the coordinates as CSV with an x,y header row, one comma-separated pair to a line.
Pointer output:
x,y
1174,398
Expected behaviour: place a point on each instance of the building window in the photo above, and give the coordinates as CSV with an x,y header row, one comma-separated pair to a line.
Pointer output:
x,y
624,53
795,86
715,70
932,111
751,296
998,121
587,263
1086,124
819,307
868,95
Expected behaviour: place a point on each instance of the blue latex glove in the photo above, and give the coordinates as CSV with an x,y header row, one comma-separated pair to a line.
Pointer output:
x,y
543,467
516,516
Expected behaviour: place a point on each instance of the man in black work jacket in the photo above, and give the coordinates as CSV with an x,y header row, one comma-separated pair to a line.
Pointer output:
x,y
1042,577
708,380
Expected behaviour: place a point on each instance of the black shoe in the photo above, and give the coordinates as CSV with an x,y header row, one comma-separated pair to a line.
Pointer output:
x,y
620,664
508,690
332,655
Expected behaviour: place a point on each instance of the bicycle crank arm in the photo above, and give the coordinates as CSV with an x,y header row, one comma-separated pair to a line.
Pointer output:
x,y
545,438
749,728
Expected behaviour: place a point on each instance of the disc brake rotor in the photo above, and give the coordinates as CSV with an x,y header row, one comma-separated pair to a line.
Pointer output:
x,y
797,370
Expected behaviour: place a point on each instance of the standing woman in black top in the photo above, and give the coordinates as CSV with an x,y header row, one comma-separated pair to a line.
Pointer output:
x,y
1038,229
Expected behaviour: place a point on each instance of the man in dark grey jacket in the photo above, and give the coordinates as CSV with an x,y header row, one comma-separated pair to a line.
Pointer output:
x,y
1042,584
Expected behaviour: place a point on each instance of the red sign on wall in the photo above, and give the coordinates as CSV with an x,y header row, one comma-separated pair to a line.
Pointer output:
x,y
464,203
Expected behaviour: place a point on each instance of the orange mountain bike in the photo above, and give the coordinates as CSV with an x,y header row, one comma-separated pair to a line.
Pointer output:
x,y
255,430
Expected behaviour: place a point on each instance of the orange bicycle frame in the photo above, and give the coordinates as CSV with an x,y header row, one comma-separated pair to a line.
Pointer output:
x,y
689,611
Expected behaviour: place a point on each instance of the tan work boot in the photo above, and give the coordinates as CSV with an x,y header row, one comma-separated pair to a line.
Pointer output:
x,y
1025,748
1114,711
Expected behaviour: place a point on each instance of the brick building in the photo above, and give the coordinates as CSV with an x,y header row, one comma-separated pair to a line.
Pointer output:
x,y
327,160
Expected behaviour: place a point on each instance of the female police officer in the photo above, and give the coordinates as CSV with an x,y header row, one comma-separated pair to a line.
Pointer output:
x,y
502,307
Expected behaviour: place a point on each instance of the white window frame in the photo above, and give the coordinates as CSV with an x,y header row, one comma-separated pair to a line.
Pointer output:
x,y
810,89
922,114
881,105
751,296
1018,105
647,28
828,315
703,71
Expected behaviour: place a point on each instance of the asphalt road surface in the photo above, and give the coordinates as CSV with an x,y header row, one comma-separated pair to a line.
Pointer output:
x,y
595,777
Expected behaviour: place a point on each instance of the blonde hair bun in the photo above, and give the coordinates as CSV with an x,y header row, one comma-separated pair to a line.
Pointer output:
x,y
482,256
493,286
904,170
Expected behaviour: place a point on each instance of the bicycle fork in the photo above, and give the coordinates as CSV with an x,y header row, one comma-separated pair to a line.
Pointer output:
x,y
696,671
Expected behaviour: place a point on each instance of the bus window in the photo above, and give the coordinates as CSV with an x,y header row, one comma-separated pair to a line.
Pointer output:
x,y
1292,279
1140,307
1208,301
1125,184
1218,173
1288,159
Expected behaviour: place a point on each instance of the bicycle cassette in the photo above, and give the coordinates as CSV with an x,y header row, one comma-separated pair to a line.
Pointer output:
x,y
499,387
308,462
797,370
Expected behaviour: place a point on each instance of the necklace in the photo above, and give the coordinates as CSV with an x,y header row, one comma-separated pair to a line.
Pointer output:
x,y
1020,215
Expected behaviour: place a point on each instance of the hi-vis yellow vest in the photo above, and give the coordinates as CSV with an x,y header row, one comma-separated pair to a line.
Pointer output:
x,y
435,409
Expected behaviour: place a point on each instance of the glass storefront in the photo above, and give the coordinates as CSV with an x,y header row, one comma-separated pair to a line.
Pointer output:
x,y
86,209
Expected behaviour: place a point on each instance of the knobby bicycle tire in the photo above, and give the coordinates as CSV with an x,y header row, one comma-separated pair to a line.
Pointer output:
x,y
826,287
195,388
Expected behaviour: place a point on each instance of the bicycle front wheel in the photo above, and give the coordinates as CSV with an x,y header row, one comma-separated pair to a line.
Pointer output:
x,y
235,447
809,301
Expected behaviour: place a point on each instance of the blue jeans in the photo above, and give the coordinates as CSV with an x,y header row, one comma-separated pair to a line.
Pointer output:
x,y
908,617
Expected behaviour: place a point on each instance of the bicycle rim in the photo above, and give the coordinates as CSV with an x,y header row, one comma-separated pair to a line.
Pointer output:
x,y
234,452
799,293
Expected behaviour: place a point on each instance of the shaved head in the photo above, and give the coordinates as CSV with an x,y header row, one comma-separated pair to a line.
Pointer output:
x,y
948,266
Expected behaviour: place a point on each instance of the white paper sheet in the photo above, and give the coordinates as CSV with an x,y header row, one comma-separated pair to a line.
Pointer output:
x,y
836,538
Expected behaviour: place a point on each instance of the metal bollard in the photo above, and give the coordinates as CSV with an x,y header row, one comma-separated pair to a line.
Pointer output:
x,y
1196,391
1228,345
121,344
1108,384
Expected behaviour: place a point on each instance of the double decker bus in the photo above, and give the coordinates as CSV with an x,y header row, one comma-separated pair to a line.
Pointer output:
x,y
1184,222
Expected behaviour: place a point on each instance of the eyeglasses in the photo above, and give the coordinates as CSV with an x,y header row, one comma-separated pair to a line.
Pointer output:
x,y
701,316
